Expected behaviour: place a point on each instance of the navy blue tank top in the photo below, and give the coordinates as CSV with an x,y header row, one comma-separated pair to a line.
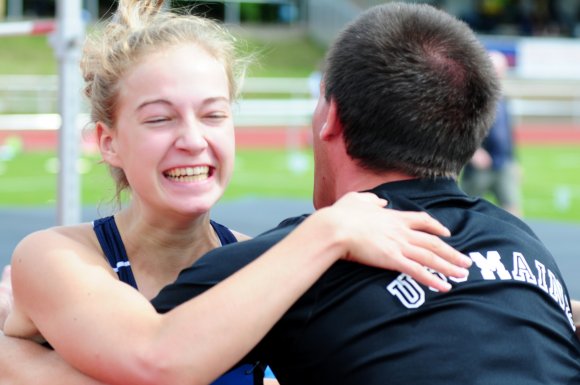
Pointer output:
x,y
114,249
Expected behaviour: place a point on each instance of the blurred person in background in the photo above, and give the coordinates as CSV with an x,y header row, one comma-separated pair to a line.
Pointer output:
x,y
493,168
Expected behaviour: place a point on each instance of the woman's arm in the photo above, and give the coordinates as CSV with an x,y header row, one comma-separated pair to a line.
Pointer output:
x,y
25,362
111,332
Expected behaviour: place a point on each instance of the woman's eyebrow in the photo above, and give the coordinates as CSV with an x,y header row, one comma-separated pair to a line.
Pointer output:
x,y
149,102
216,99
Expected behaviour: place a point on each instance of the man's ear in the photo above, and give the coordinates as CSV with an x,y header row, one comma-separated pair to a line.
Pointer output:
x,y
106,139
332,127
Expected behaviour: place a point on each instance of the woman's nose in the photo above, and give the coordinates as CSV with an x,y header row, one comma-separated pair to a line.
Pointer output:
x,y
191,137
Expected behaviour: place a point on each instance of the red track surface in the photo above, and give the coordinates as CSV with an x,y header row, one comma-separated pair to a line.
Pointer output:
x,y
279,137
548,134
263,137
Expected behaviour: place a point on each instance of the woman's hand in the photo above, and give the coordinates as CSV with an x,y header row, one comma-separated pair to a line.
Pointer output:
x,y
403,241
6,299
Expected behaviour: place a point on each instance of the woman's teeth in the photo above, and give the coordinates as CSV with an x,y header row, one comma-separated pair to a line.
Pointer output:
x,y
188,174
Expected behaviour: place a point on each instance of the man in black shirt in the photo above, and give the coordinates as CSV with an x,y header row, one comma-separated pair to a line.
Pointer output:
x,y
407,96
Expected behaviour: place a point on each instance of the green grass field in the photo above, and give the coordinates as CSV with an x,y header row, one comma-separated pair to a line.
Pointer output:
x,y
27,55
31,179
293,57
551,183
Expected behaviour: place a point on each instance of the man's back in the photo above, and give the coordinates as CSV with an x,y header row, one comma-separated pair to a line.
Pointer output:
x,y
509,323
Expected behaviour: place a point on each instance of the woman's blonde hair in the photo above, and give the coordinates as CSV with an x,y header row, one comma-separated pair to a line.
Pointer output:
x,y
139,28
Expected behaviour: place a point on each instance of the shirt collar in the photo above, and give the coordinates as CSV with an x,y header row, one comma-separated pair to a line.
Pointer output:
x,y
420,188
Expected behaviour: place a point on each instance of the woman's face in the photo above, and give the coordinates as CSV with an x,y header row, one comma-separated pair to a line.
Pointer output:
x,y
174,133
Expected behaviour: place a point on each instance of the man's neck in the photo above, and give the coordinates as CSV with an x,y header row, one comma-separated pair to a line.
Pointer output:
x,y
359,179
369,180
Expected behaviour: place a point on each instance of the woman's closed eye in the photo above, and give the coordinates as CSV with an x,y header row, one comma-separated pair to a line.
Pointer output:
x,y
216,117
157,120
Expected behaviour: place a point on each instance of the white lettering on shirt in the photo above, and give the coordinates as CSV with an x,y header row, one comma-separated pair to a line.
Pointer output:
x,y
408,291
522,271
412,295
489,265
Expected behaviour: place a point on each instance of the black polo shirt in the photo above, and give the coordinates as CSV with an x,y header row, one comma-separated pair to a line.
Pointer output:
x,y
508,323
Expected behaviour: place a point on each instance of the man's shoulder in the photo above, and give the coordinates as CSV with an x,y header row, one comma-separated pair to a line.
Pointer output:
x,y
219,264
285,225
240,253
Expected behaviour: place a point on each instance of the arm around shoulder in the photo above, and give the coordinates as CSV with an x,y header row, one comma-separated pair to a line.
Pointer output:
x,y
115,335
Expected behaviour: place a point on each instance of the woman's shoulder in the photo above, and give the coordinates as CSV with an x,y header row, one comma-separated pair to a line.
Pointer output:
x,y
79,238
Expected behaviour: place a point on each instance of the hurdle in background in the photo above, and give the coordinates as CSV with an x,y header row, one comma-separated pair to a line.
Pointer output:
x,y
67,46
38,27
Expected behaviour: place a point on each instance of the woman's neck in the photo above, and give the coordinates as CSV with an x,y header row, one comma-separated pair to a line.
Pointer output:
x,y
159,248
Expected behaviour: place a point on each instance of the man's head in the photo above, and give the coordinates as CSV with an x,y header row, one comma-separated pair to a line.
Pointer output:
x,y
413,89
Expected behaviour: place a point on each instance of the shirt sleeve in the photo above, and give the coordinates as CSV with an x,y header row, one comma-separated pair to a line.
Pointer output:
x,y
218,264
207,272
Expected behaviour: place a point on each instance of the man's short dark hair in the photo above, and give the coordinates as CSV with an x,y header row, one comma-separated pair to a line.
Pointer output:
x,y
415,90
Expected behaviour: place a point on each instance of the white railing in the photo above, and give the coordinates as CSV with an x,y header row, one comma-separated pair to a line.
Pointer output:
x,y
28,94
541,98
279,101
247,113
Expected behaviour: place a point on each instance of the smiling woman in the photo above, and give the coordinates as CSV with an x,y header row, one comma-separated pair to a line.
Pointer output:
x,y
160,87
184,130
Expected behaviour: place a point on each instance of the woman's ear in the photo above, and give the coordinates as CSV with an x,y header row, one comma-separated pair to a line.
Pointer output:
x,y
106,139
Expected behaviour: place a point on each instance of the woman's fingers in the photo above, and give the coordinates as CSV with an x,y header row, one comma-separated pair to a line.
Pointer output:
x,y
420,274
436,262
436,253
355,199
424,222
420,250
421,263
398,240
368,197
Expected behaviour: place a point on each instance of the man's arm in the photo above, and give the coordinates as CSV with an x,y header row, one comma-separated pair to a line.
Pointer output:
x,y
24,362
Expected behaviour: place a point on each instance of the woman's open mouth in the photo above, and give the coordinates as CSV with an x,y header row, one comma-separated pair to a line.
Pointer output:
x,y
189,174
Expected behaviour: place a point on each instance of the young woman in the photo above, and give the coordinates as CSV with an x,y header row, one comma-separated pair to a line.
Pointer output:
x,y
161,87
